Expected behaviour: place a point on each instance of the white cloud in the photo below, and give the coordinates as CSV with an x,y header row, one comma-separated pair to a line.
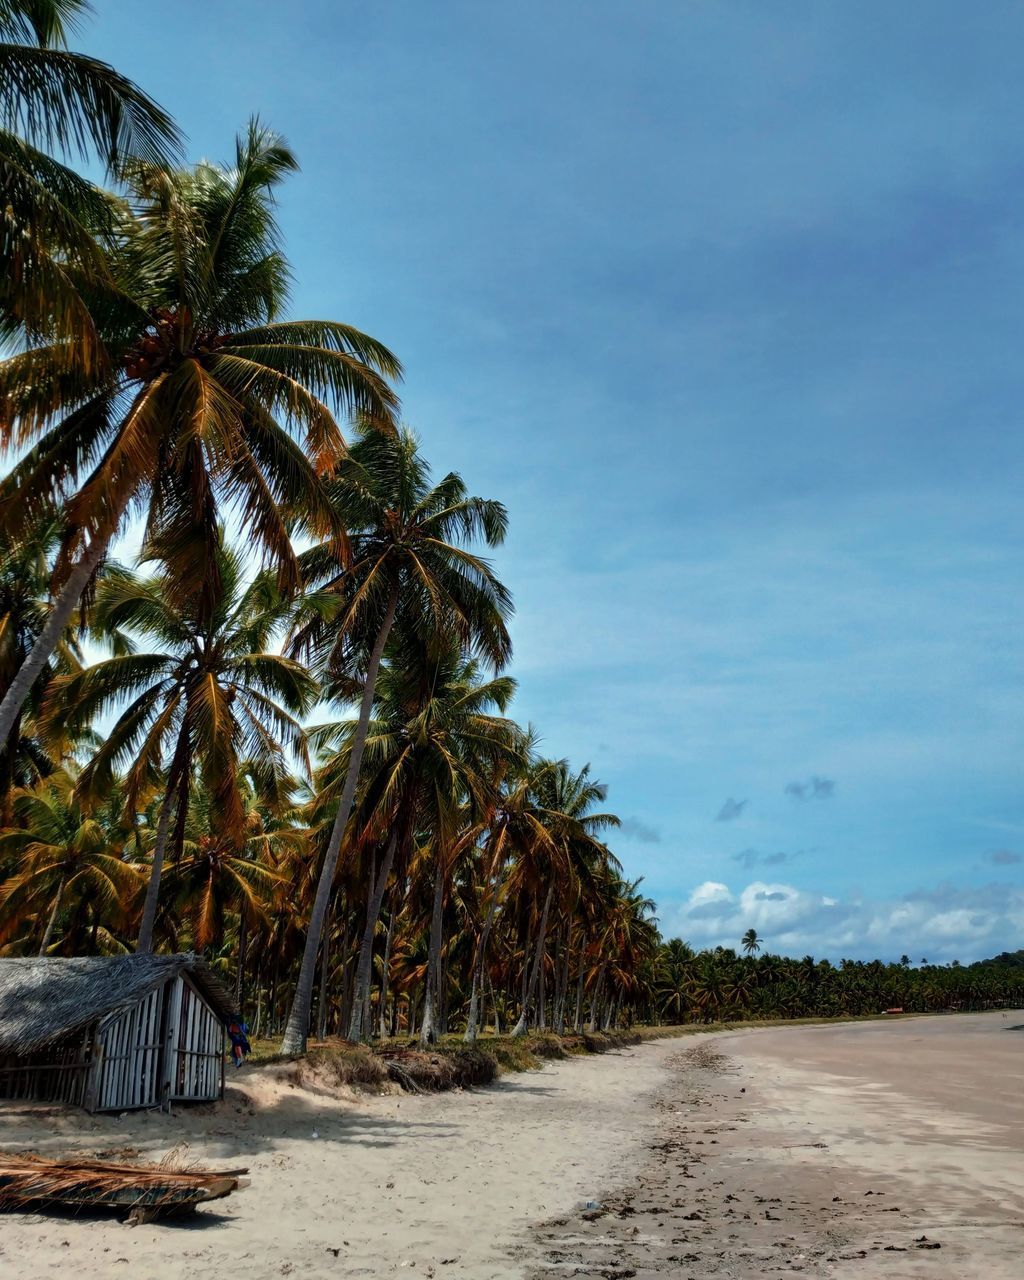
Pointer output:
x,y
945,923
710,891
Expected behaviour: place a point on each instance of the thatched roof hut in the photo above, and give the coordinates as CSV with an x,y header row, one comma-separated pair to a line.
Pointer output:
x,y
114,1032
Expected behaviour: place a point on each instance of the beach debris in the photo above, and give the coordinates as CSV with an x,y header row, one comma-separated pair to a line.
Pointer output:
x,y
146,1191
922,1242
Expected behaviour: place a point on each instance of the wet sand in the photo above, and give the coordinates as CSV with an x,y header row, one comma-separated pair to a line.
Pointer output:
x,y
815,1151
889,1149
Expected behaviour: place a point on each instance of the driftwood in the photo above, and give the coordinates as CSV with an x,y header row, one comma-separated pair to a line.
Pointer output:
x,y
146,1191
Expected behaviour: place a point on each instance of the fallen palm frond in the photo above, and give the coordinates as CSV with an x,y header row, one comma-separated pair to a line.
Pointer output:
x,y
31,1180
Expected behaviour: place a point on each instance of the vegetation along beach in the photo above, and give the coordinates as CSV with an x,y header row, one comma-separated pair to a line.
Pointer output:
x,y
368,901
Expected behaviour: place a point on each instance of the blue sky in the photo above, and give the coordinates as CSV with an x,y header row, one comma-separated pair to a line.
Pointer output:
x,y
724,301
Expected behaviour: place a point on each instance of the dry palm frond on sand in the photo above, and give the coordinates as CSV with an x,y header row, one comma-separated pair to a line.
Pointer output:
x,y
145,1190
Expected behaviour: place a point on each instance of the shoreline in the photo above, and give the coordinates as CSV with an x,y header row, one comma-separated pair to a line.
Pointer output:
x,y
858,1154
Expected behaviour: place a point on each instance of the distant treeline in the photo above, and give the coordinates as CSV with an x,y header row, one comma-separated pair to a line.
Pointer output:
x,y
721,985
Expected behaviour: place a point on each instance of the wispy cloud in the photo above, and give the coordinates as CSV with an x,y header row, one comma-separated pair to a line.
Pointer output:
x,y
814,788
1004,858
750,858
731,810
640,831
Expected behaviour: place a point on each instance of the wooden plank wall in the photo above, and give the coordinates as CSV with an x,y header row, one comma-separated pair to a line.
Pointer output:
x,y
200,1049
128,1046
59,1074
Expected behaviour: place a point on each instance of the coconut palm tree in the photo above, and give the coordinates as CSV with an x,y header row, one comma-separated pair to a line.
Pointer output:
x,y
208,397
409,560
208,697
61,854
430,751
750,942
214,877
565,859
56,224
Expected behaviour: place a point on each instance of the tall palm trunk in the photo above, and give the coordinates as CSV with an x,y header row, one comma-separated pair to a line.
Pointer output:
x,y
8,766
578,1016
494,1006
428,1031
242,921
480,963
538,958
563,990
325,968
297,1030
384,975
595,1005
364,971
60,615
51,923
156,870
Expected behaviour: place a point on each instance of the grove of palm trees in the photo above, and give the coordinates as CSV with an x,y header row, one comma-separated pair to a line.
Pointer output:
x,y
255,662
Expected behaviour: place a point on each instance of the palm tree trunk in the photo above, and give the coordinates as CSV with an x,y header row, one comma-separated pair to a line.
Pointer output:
x,y
596,1001
538,958
325,966
241,959
60,615
579,998
44,946
8,765
428,1030
364,971
477,992
563,991
258,1025
497,1011
297,1030
145,941
384,975
472,1018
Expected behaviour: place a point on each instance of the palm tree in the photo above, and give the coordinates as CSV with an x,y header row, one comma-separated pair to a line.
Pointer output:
x,y
408,560
55,223
673,978
430,749
750,942
513,826
62,854
202,398
215,876
208,696
567,857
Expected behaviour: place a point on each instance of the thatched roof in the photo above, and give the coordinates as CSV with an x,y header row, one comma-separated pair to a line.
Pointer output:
x,y
46,999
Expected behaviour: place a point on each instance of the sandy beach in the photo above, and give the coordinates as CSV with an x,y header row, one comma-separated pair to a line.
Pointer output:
x,y
843,1150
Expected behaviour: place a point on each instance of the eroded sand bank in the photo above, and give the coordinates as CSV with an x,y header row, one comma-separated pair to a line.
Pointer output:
x,y
820,1151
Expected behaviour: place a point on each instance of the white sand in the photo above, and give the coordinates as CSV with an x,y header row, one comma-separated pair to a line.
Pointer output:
x,y
398,1186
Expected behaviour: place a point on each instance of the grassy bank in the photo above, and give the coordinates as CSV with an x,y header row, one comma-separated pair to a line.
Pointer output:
x,y
450,1064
